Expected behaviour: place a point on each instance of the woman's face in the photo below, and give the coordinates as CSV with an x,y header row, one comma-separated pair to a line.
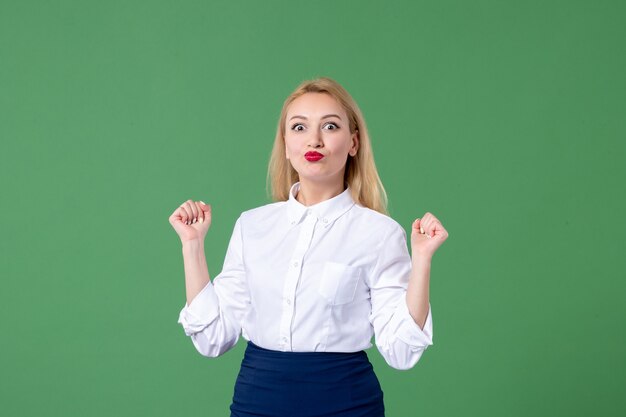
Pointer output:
x,y
318,139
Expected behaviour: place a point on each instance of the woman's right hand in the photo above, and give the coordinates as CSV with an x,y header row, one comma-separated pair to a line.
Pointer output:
x,y
191,220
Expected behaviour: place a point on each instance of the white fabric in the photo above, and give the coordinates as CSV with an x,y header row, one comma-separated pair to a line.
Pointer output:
x,y
323,278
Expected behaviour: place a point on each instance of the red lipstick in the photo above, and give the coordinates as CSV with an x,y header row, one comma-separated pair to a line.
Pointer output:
x,y
313,156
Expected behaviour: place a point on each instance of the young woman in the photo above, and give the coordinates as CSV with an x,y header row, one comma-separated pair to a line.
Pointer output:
x,y
309,279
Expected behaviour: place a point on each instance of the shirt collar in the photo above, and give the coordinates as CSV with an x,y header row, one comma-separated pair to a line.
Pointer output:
x,y
326,211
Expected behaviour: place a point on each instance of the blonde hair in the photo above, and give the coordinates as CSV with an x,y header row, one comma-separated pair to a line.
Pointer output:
x,y
360,174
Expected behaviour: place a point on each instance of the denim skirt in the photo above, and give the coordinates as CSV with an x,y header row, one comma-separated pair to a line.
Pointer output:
x,y
306,384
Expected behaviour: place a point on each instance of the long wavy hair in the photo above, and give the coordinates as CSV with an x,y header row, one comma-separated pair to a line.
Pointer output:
x,y
360,173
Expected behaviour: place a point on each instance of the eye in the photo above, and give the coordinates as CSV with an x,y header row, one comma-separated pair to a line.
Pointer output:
x,y
330,126
298,127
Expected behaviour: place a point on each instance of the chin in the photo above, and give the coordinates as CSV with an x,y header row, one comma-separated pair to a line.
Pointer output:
x,y
318,177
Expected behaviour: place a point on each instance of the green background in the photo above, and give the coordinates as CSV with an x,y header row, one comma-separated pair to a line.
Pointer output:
x,y
505,119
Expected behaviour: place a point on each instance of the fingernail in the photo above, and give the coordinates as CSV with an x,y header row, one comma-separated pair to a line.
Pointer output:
x,y
421,230
203,202
201,220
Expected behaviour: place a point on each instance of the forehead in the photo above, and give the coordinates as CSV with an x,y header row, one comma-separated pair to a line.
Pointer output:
x,y
315,105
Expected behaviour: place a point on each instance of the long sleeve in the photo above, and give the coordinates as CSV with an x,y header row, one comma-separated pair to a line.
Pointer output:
x,y
398,338
214,318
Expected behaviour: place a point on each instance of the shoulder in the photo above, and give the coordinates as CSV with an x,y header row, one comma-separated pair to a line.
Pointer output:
x,y
264,210
380,224
263,213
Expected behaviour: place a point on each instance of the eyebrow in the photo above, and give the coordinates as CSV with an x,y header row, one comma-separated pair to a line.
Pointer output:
x,y
323,117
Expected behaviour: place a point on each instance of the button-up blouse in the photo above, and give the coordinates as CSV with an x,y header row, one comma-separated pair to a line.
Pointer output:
x,y
322,278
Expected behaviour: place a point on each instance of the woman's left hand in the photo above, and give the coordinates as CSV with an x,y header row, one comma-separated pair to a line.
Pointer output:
x,y
427,235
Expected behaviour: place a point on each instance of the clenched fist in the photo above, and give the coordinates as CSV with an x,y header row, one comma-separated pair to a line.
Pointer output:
x,y
427,234
191,220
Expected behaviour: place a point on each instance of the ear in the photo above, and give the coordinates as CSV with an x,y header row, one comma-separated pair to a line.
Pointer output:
x,y
355,143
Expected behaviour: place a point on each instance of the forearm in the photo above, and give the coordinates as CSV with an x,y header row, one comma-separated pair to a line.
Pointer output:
x,y
417,298
196,270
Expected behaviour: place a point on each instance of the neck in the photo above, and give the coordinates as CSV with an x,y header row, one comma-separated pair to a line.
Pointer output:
x,y
311,193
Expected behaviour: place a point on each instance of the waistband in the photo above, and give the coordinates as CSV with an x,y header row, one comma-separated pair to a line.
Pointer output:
x,y
303,355
338,365
255,352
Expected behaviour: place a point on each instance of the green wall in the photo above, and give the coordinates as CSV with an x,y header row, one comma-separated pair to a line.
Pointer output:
x,y
505,119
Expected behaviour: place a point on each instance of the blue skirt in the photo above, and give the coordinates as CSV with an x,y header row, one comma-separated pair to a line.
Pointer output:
x,y
306,384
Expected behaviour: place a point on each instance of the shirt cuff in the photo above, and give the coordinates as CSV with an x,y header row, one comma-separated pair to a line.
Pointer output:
x,y
202,311
410,332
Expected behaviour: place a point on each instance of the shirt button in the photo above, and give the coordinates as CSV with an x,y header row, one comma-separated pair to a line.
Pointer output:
x,y
295,264
293,222
288,301
285,339
325,220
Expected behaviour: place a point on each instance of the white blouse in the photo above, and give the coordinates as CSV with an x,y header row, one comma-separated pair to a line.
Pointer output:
x,y
323,278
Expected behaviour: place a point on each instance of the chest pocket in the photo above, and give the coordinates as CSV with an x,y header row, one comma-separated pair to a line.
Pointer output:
x,y
338,283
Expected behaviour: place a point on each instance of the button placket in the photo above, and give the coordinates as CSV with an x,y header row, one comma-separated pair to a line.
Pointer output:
x,y
293,276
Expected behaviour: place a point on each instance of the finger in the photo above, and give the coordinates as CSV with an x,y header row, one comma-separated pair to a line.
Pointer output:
x,y
176,216
427,232
433,228
200,212
429,227
187,212
434,220
417,226
194,211
424,222
182,214
208,210
441,231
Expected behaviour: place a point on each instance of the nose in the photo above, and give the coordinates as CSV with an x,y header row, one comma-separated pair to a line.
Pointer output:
x,y
315,139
